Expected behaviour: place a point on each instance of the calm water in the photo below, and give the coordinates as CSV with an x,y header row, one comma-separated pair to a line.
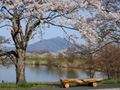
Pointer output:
x,y
45,73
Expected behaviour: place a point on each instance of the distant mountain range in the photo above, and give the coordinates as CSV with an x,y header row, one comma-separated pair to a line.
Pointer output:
x,y
52,45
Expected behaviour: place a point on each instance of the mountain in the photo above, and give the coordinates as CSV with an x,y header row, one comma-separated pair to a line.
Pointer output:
x,y
52,45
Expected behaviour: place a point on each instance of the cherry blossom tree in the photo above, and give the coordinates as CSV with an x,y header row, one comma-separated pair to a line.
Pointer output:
x,y
34,14
40,14
104,23
100,28
100,25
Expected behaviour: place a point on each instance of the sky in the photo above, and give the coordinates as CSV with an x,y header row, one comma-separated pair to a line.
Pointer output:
x,y
49,33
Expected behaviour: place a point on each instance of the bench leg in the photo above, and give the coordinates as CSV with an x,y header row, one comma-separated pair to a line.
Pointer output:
x,y
94,84
66,85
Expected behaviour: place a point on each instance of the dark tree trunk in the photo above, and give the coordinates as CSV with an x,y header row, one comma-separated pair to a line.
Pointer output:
x,y
20,66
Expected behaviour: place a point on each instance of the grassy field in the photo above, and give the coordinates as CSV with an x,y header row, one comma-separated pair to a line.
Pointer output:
x,y
43,61
30,60
49,84
36,60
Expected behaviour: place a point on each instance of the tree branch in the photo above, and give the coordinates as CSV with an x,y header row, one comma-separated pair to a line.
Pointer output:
x,y
15,32
5,26
29,33
28,24
8,11
6,17
9,54
61,26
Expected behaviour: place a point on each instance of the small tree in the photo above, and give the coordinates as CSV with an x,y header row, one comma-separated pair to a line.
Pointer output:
x,y
51,59
70,54
61,57
88,52
108,60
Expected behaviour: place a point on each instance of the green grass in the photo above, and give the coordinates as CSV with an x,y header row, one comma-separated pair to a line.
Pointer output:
x,y
41,60
36,59
82,60
117,81
26,86
50,84
44,60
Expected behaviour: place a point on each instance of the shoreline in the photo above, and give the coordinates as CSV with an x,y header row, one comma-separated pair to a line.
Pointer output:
x,y
52,65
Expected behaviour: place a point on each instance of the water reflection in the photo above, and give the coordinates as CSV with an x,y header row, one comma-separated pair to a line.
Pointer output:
x,y
90,73
71,73
45,73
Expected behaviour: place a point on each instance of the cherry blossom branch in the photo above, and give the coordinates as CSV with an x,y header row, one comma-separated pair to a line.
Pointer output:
x,y
62,26
8,11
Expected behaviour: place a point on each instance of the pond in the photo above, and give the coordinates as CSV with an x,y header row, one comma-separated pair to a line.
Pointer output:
x,y
45,73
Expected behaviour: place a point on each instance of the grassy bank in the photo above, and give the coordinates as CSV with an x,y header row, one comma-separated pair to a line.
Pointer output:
x,y
25,86
53,61
36,61
49,84
32,61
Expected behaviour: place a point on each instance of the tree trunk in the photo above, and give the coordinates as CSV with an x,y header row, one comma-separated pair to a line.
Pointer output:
x,y
20,66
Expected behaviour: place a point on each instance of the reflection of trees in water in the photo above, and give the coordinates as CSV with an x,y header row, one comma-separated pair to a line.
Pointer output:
x,y
48,70
56,70
32,67
113,75
72,73
90,73
63,72
35,69
69,73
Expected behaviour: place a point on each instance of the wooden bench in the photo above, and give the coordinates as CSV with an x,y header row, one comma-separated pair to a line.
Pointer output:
x,y
90,81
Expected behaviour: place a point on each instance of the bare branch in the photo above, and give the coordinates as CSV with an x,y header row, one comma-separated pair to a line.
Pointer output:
x,y
28,24
29,33
6,17
6,25
8,11
9,54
